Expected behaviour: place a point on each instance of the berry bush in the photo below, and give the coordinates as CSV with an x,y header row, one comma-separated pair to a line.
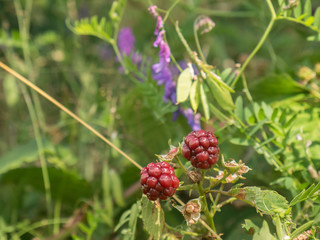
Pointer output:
x,y
215,103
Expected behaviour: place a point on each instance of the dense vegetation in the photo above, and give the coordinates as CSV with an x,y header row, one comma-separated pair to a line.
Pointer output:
x,y
128,81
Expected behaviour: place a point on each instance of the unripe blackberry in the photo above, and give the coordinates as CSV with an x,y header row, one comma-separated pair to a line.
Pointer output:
x,y
201,148
158,181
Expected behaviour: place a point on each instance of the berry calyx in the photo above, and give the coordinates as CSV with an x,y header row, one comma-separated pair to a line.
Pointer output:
x,y
201,148
158,180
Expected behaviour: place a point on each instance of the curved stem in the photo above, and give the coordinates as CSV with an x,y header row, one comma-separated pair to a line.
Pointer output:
x,y
255,50
169,10
260,43
181,165
196,37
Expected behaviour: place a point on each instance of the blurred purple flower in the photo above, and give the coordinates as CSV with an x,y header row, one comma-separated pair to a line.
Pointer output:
x,y
126,41
159,25
193,120
163,73
170,92
152,10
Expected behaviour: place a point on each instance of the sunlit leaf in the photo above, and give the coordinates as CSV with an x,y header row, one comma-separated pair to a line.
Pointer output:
x,y
194,95
221,94
316,21
153,218
183,85
307,11
204,102
297,10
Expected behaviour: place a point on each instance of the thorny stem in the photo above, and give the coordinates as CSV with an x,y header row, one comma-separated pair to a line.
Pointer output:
x,y
260,43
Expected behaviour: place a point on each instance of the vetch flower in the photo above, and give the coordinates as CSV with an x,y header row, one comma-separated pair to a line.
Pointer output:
x,y
163,73
193,120
126,41
152,10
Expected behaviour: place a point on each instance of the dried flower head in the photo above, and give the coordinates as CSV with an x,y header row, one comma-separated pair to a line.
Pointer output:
x,y
204,24
191,211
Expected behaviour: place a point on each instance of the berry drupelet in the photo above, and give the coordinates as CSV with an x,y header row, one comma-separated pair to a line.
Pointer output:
x,y
158,180
201,148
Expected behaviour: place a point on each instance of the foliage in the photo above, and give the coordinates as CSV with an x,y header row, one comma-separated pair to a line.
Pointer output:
x,y
259,96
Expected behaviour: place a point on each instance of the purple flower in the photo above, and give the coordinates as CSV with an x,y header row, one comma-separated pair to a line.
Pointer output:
x,y
126,41
163,73
152,10
193,120
170,92
159,25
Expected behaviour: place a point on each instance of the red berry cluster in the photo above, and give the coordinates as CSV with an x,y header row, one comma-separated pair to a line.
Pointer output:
x,y
201,148
158,181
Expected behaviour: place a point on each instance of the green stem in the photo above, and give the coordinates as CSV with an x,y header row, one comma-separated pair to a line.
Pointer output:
x,y
195,33
35,112
57,211
279,228
182,231
181,165
169,10
205,208
260,43
246,89
217,200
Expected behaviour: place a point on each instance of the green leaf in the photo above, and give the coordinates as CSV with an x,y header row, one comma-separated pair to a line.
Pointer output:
x,y
91,26
268,110
301,229
305,194
265,201
275,88
297,10
221,94
250,226
256,127
123,220
249,116
241,141
204,102
183,85
216,112
116,187
307,11
22,153
239,108
264,233
133,219
153,218
194,95
316,21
